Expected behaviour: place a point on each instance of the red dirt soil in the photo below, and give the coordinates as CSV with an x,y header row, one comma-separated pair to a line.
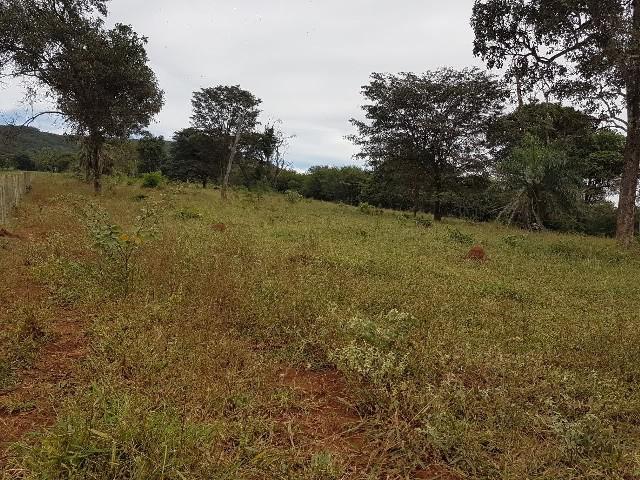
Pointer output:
x,y
42,387
476,253
329,423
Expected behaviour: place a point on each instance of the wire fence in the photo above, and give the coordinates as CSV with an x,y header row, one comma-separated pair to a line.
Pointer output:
x,y
13,186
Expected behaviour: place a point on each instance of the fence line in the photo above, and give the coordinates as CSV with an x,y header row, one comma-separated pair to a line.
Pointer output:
x,y
13,185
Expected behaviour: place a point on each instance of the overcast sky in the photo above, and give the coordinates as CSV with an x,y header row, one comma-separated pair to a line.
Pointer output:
x,y
306,59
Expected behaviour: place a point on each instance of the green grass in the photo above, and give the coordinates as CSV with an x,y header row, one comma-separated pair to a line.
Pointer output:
x,y
524,366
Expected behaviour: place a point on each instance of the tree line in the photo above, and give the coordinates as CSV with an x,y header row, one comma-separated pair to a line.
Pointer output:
x,y
450,141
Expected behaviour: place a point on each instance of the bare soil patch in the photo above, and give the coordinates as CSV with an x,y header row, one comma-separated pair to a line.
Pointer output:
x,y
31,404
329,423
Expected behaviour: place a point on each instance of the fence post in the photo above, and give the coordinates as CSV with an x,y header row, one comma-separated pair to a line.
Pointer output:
x,y
13,186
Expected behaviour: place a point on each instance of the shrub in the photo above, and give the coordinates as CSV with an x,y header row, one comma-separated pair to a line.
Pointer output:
x,y
188,213
457,236
117,247
368,209
152,180
293,197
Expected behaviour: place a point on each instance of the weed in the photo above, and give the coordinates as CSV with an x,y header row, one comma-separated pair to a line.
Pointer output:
x,y
189,213
119,249
514,241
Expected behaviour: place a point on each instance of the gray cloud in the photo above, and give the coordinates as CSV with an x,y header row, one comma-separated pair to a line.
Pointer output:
x,y
306,59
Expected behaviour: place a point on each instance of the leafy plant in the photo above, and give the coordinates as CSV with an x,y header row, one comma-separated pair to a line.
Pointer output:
x,y
152,180
376,352
457,236
423,222
514,240
293,197
119,248
368,209
188,213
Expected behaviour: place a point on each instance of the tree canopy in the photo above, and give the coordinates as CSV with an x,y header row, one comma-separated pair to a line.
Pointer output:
x,y
431,126
586,50
227,113
99,79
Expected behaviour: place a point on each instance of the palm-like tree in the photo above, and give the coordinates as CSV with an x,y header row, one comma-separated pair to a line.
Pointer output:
x,y
542,182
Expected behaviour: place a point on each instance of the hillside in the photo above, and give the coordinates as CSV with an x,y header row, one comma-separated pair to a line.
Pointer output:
x,y
168,334
15,140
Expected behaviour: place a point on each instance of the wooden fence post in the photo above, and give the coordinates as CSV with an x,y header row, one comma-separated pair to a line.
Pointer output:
x,y
13,185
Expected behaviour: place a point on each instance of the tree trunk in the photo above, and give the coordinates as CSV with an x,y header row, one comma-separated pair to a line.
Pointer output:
x,y
437,210
94,168
232,155
629,183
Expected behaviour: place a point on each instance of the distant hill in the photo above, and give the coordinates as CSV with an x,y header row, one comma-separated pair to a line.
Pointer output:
x,y
29,140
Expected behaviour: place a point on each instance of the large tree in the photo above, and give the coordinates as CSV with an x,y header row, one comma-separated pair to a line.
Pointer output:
x,y
586,50
590,152
98,78
152,153
430,126
541,181
262,155
195,156
227,113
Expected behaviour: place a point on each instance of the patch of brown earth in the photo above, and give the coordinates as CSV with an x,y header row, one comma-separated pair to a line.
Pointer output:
x,y
42,387
31,403
436,472
329,422
477,253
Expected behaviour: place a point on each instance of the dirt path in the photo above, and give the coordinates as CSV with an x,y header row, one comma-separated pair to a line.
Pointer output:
x,y
39,387
31,403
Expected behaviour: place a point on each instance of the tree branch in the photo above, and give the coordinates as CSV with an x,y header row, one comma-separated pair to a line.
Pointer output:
x,y
33,118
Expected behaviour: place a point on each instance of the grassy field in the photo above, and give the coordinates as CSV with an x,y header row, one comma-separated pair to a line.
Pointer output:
x,y
274,338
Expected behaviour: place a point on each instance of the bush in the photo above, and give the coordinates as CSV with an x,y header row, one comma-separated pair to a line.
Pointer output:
x,y
368,209
188,213
152,180
293,197
599,219
457,236
375,351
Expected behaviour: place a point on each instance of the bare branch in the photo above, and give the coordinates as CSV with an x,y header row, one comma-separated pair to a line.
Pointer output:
x,y
33,118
